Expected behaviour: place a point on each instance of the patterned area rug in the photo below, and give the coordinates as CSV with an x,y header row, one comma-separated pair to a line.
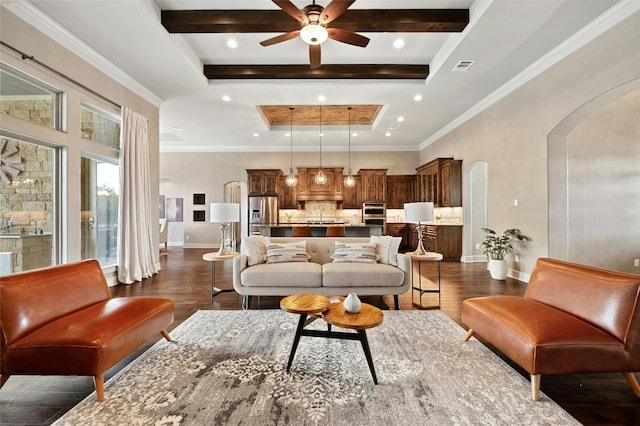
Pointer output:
x,y
228,368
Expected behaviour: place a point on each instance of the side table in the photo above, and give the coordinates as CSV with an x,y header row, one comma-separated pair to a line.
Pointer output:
x,y
213,258
429,257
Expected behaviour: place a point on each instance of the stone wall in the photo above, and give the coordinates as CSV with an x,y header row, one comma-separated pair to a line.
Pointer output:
x,y
37,110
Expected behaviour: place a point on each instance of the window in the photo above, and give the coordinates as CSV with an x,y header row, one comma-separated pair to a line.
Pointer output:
x,y
28,199
26,98
100,126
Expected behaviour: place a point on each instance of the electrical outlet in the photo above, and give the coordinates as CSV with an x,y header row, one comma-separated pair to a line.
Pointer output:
x,y
515,202
636,263
186,237
478,246
516,258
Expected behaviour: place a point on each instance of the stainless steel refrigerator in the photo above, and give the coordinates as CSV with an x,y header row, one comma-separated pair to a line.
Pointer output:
x,y
262,211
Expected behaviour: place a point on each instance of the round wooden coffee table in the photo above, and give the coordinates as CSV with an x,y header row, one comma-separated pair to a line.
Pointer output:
x,y
310,306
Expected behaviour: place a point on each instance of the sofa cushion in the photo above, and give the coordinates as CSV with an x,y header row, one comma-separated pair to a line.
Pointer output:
x,y
355,252
289,274
287,252
347,274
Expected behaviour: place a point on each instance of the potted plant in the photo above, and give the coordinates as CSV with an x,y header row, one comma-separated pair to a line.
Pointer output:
x,y
497,247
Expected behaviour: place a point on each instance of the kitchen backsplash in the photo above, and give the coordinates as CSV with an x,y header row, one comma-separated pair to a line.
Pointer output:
x,y
327,211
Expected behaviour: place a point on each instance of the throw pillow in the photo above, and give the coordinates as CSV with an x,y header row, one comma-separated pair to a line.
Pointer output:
x,y
387,248
356,252
254,247
287,252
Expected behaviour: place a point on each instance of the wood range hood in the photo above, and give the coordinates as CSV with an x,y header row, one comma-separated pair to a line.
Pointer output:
x,y
308,190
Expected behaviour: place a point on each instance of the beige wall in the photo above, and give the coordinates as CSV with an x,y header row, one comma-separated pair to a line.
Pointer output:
x,y
20,35
511,137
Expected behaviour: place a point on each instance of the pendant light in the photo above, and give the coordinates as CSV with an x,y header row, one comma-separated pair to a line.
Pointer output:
x,y
291,180
320,178
349,181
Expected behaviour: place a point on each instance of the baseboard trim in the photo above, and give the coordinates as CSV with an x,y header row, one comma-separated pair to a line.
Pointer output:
x,y
474,258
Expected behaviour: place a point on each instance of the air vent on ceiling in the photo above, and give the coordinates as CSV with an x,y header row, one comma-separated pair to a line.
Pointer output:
x,y
464,65
394,126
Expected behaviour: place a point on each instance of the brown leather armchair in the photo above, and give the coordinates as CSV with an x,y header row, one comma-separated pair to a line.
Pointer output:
x,y
572,319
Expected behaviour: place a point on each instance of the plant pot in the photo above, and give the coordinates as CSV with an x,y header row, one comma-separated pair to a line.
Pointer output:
x,y
498,269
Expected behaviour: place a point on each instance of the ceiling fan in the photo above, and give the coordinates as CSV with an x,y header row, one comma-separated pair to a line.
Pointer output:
x,y
313,30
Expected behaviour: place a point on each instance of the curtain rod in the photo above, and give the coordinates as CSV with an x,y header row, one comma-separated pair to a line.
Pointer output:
x,y
63,75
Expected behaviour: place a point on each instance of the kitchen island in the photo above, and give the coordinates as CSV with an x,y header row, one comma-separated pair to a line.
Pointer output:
x,y
320,230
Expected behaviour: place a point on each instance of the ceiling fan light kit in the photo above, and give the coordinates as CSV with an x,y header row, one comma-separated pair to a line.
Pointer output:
x,y
314,34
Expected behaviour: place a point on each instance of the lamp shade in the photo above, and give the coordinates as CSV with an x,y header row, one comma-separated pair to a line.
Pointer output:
x,y
224,212
418,212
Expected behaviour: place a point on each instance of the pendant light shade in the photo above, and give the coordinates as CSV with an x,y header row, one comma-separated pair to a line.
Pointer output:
x,y
291,180
349,180
320,178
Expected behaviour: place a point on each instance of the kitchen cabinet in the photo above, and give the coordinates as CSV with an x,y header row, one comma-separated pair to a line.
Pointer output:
x,y
374,185
287,195
352,197
445,239
263,181
401,189
440,181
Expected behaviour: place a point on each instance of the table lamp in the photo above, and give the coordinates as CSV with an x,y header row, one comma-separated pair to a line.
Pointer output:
x,y
223,213
419,212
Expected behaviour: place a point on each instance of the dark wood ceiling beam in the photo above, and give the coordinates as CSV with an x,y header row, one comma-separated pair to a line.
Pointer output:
x,y
327,71
275,21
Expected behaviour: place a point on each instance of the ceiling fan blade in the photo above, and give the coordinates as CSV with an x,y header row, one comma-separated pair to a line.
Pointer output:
x,y
334,9
291,10
280,38
314,56
348,37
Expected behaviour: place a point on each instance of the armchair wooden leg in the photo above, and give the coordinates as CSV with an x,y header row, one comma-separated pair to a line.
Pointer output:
x,y
469,334
166,335
535,386
631,378
99,383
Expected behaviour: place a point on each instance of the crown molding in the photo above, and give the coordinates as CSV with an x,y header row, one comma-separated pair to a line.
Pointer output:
x,y
43,23
588,33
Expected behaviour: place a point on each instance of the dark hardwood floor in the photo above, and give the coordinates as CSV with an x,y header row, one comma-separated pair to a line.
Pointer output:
x,y
604,399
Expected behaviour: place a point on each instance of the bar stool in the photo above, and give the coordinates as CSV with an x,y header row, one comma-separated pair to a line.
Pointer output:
x,y
335,231
301,231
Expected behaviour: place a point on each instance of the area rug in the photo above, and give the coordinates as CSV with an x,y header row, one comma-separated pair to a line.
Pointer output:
x,y
228,368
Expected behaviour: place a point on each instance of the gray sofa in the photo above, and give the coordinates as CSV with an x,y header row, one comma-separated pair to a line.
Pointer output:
x,y
319,275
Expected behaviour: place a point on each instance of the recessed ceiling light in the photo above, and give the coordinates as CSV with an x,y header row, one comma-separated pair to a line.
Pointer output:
x,y
400,119
255,135
287,134
232,44
387,134
417,97
321,98
226,98
398,43
177,128
354,134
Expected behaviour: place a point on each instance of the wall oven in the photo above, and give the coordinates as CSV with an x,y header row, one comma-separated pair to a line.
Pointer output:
x,y
375,214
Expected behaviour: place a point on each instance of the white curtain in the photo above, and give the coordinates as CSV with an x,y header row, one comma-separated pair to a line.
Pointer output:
x,y
135,227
